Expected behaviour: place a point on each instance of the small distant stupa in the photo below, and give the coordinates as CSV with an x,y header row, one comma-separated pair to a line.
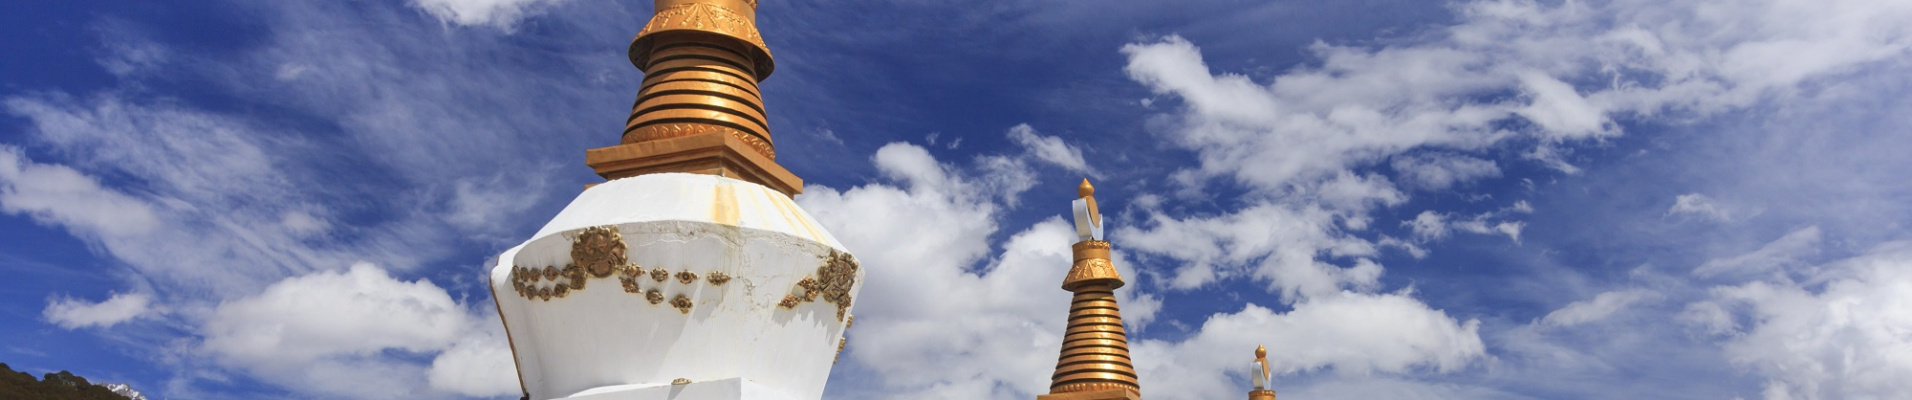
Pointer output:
x,y
690,274
1259,377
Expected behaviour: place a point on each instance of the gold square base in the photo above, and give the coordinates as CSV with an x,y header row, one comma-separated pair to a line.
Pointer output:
x,y
711,153
1111,394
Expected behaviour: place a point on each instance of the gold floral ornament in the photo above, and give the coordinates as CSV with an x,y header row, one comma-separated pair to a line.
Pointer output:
x,y
526,281
654,296
599,249
832,283
718,278
686,277
682,303
575,274
628,275
630,285
660,274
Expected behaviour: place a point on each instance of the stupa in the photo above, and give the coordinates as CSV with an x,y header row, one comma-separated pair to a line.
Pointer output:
x,y
690,274
1095,363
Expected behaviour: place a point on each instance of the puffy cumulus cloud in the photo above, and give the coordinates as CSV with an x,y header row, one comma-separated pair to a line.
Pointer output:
x,y
1049,149
1599,308
479,364
495,13
1538,77
1354,334
1282,245
336,334
75,313
939,317
1840,334
60,195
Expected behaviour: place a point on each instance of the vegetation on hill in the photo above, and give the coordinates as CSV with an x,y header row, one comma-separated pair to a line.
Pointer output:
x,y
56,386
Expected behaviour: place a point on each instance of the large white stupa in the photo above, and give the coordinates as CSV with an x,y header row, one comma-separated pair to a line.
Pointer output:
x,y
690,275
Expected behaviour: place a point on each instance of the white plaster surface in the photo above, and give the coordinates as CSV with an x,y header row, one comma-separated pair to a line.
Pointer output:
x,y
728,389
602,337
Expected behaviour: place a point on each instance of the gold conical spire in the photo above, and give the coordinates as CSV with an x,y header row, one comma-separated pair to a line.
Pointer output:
x,y
699,109
1095,363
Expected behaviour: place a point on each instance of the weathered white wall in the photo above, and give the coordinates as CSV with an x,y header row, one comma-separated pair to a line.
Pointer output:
x,y
603,336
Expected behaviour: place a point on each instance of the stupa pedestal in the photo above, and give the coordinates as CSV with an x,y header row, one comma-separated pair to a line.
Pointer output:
x,y
689,278
734,388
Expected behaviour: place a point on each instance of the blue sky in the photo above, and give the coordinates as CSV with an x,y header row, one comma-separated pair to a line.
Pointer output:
x,y
1478,199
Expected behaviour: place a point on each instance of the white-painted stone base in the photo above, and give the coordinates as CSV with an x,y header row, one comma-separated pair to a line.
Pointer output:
x,y
603,336
727,389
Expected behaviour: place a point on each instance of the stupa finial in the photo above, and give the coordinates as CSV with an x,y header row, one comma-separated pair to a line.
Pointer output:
x,y
1088,219
1260,378
699,109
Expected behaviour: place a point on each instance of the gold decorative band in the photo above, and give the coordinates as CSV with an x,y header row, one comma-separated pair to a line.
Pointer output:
x,y
1093,386
1091,249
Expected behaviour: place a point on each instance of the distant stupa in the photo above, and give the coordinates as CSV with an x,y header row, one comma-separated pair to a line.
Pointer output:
x,y
1095,363
690,274
1258,376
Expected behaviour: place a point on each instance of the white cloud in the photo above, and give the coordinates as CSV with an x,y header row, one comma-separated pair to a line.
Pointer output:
x,y
1382,387
326,333
1267,242
1439,171
1434,226
56,194
1351,333
216,213
1428,225
210,206
1599,308
1480,225
1841,335
992,331
1784,251
1558,109
478,365
1447,89
1049,149
497,13
76,313
1699,205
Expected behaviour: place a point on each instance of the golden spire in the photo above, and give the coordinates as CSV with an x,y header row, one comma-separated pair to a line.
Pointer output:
x,y
1094,364
1261,390
699,109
